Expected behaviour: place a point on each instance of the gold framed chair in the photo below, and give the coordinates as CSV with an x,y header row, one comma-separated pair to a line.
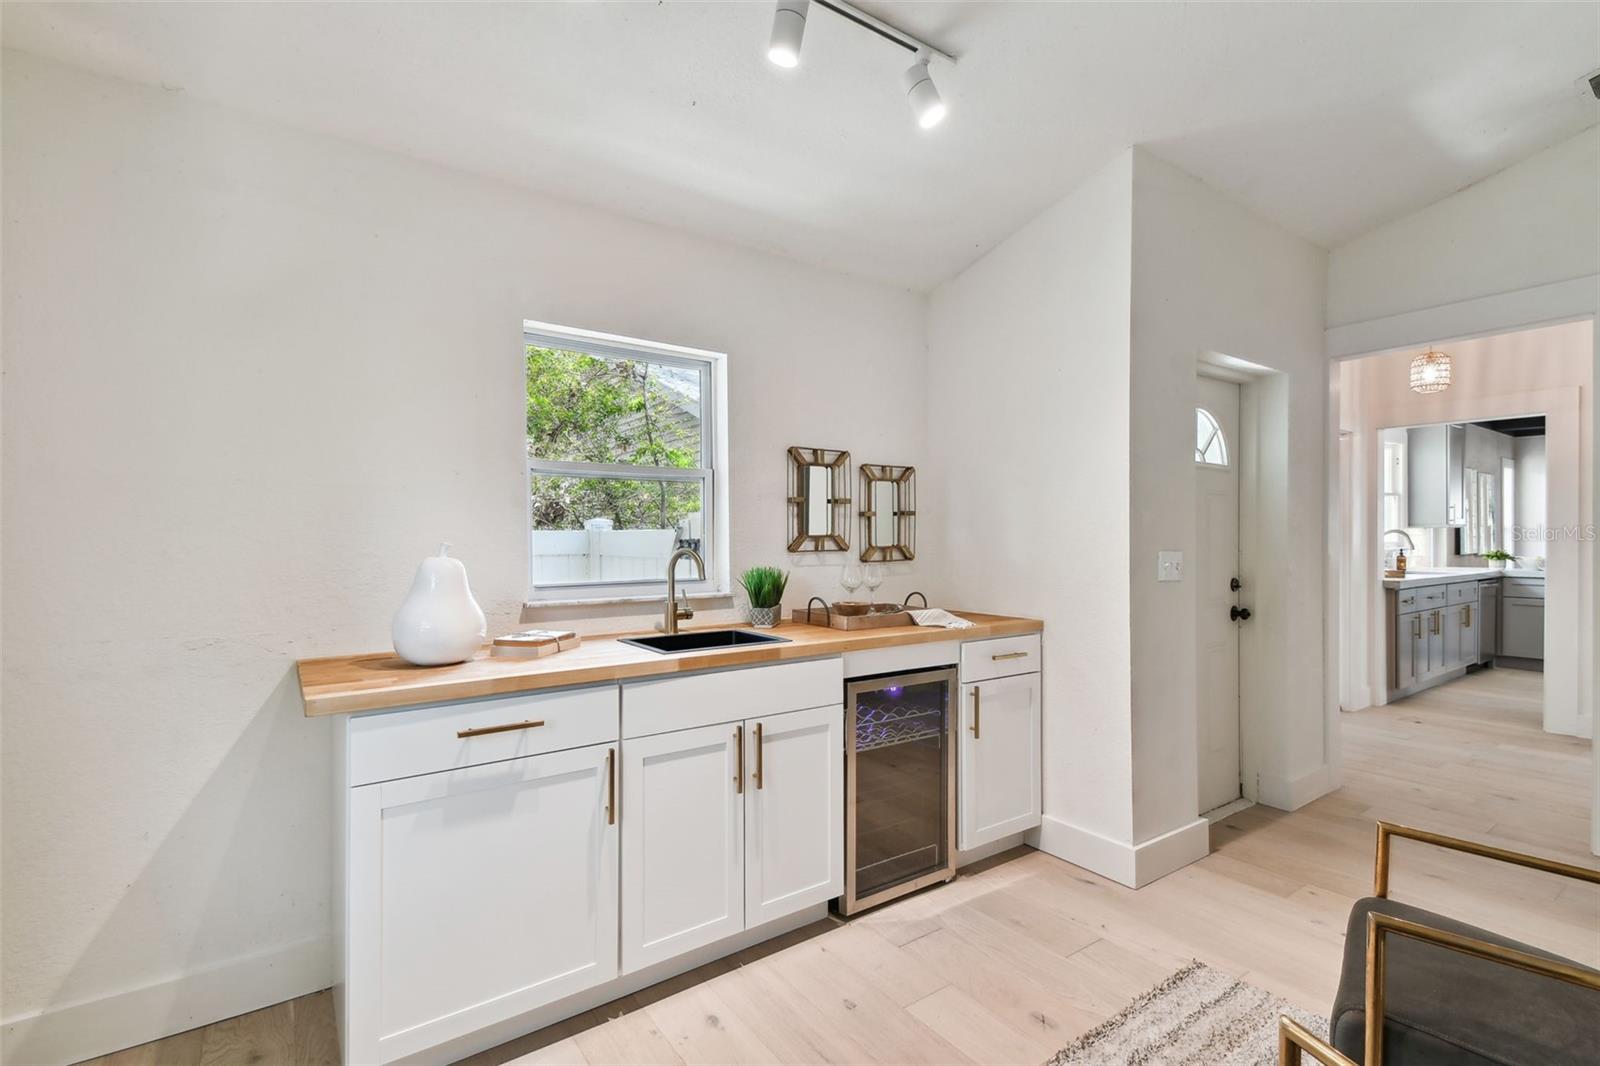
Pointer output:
x,y
1295,1042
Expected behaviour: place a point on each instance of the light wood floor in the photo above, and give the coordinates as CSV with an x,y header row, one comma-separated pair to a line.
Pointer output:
x,y
1011,962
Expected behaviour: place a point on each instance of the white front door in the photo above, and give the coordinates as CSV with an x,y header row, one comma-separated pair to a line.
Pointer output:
x,y
1217,567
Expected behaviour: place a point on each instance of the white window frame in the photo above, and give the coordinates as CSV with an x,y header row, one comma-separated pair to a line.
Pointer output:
x,y
713,479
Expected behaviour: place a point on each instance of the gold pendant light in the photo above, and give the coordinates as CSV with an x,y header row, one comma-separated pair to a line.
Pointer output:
x,y
1430,371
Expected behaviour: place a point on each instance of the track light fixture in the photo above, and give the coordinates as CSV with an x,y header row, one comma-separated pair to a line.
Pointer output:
x,y
923,95
789,27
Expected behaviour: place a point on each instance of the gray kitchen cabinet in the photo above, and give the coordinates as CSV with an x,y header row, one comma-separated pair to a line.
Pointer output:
x,y
1436,476
1409,647
1521,627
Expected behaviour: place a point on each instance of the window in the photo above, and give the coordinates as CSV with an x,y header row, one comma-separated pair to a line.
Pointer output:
x,y
1508,505
1209,447
1394,485
623,469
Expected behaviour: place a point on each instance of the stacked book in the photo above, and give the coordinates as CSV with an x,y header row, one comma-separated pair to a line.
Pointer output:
x,y
534,643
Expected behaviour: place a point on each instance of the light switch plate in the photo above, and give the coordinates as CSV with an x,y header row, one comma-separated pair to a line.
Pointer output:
x,y
1169,566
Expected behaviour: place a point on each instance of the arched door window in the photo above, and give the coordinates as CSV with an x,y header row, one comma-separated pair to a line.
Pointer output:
x,y
1210,449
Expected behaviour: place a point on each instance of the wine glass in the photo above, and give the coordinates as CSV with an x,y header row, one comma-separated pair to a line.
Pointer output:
x,y
872,579
850,577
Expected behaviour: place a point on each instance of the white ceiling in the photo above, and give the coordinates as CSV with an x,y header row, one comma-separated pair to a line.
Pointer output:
x,y
1329,119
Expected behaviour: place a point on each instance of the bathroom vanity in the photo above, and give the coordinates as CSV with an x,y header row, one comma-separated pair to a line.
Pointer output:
x,y
521,840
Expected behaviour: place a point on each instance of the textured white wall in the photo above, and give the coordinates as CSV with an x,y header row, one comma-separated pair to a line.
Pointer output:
x,y
1028,430
253,375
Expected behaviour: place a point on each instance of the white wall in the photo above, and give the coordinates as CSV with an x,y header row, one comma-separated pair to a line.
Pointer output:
x,y
1068,356
253,376
1028,415
1210,277
1538,371
1531,224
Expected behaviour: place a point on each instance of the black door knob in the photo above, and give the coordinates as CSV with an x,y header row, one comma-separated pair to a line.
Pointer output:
x,y
1234,585
1239,614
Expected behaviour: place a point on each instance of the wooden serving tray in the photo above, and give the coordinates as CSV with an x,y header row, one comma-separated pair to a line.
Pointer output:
x,y
855,618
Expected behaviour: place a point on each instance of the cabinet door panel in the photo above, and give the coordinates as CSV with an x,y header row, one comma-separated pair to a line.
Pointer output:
x,y
999,785
1522,628
478,894
1470,621
1452,638
1409,646
682,843
1433,626
794,811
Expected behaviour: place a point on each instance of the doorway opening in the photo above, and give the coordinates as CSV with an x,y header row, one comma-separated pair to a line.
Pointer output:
x,y
1479,487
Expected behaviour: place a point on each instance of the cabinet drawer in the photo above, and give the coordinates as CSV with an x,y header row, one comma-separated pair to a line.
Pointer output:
x,y
1465,592
665,704
420,741
1526,588
983,659
1405,599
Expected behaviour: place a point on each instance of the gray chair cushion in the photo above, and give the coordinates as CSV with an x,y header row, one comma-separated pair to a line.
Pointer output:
x,y
1446,1007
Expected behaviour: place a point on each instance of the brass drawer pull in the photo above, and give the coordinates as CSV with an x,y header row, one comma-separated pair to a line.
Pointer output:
x,y
484,731
1009,655
611,786
760,749
1467,621
738,772
977,708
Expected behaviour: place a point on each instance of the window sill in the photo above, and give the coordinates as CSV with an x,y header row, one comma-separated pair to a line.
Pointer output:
x,y
534,611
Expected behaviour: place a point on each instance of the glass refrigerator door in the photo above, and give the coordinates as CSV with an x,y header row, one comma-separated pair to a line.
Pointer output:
x,y
902,799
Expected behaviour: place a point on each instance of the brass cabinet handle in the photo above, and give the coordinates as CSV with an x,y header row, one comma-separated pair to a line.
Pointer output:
x,y
1416,627
1434,619
759,751
1466,621
484,731
738,774
611,786
1009,655
977,708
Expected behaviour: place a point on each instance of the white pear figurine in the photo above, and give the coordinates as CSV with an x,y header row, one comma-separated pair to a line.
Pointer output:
x,y
440,622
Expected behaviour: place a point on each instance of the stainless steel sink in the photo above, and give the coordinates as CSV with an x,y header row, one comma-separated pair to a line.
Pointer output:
x,y
703,640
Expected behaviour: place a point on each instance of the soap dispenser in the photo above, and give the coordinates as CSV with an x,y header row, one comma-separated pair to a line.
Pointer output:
x,y
439,622
1400,562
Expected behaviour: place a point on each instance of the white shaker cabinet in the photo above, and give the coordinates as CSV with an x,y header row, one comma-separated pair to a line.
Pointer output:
x,y
794,812
477,894
682,842
998,786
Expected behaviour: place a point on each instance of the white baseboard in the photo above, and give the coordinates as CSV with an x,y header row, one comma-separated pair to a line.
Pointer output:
x,y
1292,793
72,1032
1134,865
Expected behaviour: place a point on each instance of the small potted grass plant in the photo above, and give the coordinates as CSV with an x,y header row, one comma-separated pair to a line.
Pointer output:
x,y
1498,559
764,586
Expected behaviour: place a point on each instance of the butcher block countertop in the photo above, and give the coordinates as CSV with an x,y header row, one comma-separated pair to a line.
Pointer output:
x,y
383,682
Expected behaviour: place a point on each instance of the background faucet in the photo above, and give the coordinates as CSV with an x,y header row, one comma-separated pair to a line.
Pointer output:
x,y
674,613
1402,533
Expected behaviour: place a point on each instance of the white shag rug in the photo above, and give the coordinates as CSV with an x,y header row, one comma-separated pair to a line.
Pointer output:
x,y
1197,1015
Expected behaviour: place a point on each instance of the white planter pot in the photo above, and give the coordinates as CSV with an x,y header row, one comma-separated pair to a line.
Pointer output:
x,y
765,617
439,622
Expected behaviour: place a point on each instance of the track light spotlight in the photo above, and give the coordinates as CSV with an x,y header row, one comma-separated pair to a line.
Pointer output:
x,y
923,95
788,27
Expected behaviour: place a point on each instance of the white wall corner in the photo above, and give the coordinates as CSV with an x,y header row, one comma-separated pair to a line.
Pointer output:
x,y
85,1029
1292,793
1171,851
